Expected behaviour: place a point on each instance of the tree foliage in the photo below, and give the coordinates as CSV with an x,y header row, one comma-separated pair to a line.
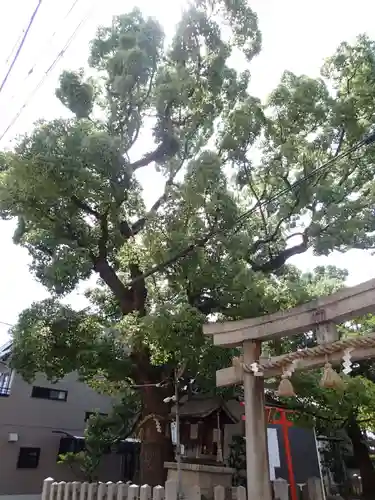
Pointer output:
x,y
102,434
72,184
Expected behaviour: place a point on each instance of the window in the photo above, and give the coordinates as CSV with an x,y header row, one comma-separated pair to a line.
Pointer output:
x,y
28,458
89,413
70,445
46,393
5,381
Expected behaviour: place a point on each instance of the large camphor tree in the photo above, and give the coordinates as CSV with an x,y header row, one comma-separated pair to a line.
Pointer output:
x,y
73,186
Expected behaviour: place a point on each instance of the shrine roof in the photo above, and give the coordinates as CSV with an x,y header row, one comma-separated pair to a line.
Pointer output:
x,y
203,407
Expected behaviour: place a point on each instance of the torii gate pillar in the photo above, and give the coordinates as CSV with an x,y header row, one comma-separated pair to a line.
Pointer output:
x,y
258,481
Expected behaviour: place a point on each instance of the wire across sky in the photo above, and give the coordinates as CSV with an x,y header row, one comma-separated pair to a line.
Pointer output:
x,y
21,45
52,65
202,240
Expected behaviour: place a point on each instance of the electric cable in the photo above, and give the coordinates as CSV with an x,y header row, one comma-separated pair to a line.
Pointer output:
x,y
50,68
200,242
49,41
14,47
21,44
5,323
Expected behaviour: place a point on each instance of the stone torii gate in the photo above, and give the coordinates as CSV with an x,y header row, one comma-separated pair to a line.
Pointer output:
x,y
322,316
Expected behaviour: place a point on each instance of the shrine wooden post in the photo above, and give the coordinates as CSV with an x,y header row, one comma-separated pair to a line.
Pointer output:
x,y
321,316
255,424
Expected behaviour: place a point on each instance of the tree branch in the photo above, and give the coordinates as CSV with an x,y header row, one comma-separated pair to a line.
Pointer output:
x,y
85,207
272,236
139,290
140,106
140,223
123,294
341,142
103,240
258,202
279,260
168,147
168,262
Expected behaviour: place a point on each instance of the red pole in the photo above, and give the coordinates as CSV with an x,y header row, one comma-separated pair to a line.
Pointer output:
x,y
285,424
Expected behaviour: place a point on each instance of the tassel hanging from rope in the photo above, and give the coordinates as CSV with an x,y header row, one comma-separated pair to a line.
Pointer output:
x,y
331,379
286,389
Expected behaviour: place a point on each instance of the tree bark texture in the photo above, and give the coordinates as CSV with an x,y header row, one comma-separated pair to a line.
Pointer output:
x,y
154,431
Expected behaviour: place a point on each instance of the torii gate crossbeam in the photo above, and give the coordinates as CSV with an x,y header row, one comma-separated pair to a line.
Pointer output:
x,y
339,307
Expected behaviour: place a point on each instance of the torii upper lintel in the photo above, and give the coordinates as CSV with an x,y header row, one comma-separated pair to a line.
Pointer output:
x,y
336,308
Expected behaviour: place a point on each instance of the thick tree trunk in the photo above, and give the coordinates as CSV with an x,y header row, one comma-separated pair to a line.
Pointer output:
x,y
362,457
154,431
156,446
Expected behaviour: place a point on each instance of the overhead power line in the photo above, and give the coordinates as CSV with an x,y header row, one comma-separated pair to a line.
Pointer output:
x,y
50,68
20,46
201,241
47,43
14,46
5,323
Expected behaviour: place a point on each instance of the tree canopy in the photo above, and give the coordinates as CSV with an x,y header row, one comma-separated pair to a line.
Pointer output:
x,y
72,184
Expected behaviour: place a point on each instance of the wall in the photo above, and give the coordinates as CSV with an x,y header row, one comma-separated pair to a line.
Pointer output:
x,y
34,420
238,429
20,410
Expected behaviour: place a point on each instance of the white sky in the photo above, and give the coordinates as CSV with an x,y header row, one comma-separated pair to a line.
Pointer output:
x,y
297,35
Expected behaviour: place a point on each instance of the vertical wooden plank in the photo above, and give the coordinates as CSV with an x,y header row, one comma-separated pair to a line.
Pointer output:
x,y
47,488
171,490
314,488
91,491
241,493
122,491
133,492
102,491
53,492
158,493
281,489
67,491
110,490
145,492
75,490
259,486
194,493
82,491
219,492
60,490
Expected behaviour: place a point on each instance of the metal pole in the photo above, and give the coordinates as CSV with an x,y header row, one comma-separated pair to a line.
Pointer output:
x,y
178,441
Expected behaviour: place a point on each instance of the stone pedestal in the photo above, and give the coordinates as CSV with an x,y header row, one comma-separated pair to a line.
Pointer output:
x,y
205,476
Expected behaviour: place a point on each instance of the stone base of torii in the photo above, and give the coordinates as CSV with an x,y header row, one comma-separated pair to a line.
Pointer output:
x,y
321,316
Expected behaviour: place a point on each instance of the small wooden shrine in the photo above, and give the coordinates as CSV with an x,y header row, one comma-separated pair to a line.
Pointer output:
x,y
202,424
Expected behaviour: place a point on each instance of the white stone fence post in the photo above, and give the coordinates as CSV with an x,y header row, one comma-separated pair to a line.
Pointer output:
x,y
75,490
